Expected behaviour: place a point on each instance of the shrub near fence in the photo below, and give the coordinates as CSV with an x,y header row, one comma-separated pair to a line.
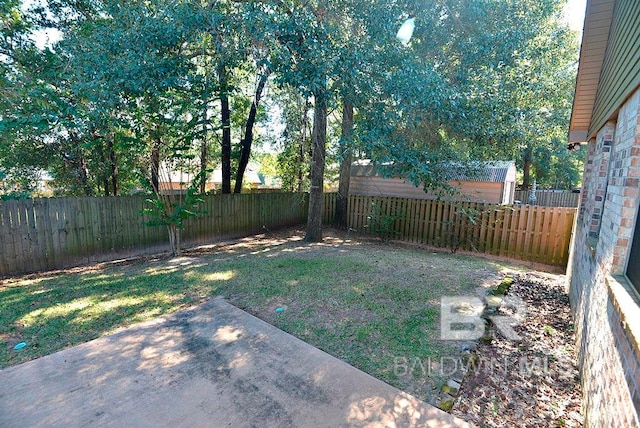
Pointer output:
x,y
532,233
43,234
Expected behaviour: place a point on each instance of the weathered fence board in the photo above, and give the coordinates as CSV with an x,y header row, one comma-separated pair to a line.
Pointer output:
x,y
54,233
60,232
528,232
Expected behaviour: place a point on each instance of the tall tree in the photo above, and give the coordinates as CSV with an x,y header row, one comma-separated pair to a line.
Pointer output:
x,y
247,140
318,143
225,119
346,157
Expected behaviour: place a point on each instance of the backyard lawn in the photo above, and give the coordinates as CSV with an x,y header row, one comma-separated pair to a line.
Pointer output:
x,y
368,303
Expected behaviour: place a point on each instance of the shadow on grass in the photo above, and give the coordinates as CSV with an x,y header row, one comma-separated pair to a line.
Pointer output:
x,y
209,363
56,312
364,303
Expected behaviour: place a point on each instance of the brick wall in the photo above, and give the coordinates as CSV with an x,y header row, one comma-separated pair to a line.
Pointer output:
x,y
608,352
596,182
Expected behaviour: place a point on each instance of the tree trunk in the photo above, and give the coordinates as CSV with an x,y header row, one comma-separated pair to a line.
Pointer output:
x,y
225,113
346,150
103,161
113,165
203,164
178,249
300,177
204,150
77,163
248,133
316,193
174,239
303,147
155,165
83,172
526,169
301,159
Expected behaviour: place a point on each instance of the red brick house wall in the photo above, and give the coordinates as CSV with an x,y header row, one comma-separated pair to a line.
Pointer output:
x,y
605,304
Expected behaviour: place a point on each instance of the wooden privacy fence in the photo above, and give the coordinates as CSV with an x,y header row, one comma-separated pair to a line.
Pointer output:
x,y
533,233
45,234
549,198
42,234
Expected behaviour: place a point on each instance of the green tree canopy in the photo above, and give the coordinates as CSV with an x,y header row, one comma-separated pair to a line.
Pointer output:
x,y
130,84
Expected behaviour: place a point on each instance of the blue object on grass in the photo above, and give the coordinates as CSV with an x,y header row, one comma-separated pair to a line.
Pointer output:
x,y
279,310
19,346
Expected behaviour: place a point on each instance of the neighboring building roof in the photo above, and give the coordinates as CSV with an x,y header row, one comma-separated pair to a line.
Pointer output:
x,y
492,171
609,68
364,168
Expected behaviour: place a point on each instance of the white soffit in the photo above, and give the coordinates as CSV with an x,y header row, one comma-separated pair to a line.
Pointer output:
x,y
594,45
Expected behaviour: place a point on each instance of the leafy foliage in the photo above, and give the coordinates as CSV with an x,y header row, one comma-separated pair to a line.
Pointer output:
x,y
171,208
382,223
129,86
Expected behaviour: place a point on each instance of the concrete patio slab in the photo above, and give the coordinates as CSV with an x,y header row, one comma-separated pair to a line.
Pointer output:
x,y
211,365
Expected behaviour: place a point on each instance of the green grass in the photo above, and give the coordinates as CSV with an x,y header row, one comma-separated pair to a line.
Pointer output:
x,y
367,304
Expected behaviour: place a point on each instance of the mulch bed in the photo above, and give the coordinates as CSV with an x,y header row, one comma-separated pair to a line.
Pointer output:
x,y
531,382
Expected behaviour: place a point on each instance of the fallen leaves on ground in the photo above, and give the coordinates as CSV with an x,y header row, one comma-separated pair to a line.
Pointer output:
x,y
531,382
